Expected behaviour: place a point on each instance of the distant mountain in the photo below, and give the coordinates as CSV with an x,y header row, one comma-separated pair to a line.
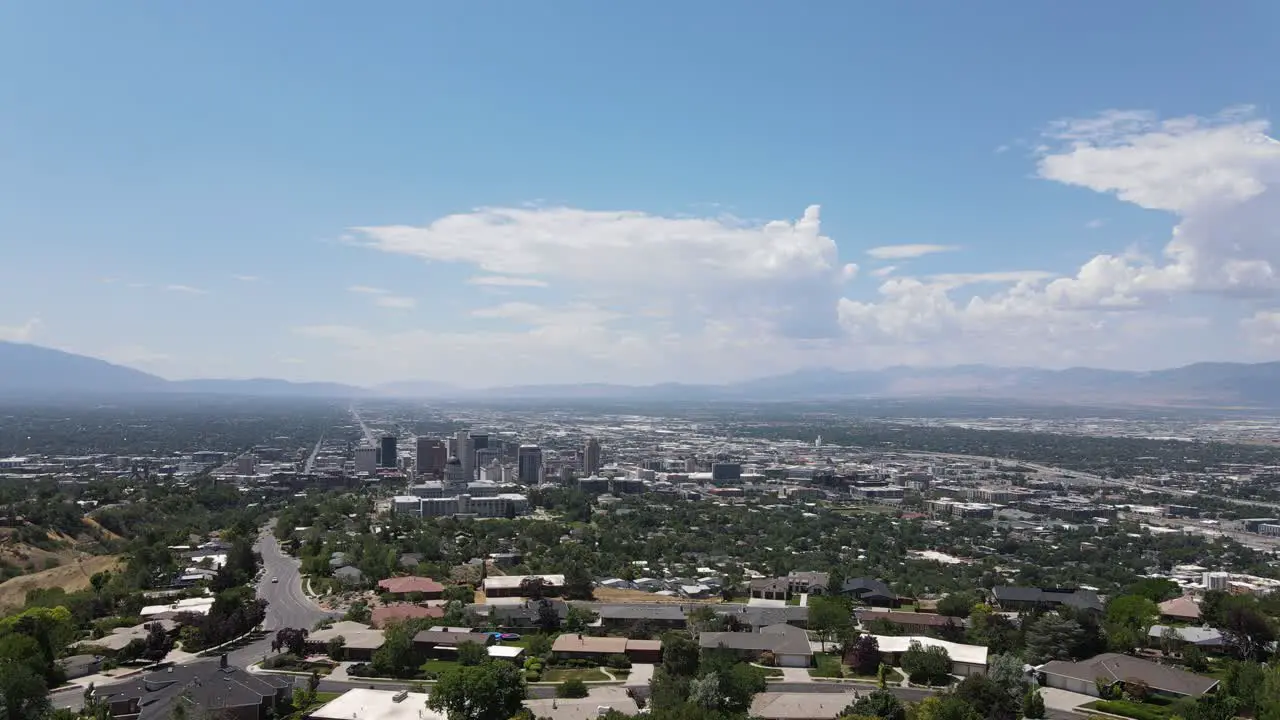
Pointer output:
x,y
34,371
31,370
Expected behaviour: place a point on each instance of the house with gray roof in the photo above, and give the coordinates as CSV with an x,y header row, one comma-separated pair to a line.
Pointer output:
x,y
658,615
1205,638
1117,669
789,644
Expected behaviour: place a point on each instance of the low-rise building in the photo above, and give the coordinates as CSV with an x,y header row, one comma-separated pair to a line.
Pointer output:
x,y
1082,677
788,644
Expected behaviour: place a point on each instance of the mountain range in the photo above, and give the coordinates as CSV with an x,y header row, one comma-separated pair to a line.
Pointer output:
x,y
32,371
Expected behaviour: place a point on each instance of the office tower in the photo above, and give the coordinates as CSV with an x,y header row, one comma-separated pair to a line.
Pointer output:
x,y
726,471
388,457
466,455
529,461
479,441
453,447
431,455
691,465
591,457
367,459
455,483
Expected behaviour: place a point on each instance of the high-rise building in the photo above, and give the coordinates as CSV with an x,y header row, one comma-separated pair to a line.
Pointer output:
x,y
529,462
431,455
455,483
479,441
388,457
466,455
726,471
591,457
366,459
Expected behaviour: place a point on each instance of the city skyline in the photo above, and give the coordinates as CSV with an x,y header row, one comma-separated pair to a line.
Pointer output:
x,y
452,194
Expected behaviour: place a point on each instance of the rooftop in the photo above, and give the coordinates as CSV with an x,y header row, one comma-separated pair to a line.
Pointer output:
x,y
368,704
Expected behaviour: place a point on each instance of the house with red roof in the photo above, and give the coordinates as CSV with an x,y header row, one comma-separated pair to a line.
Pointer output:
x,y
429,589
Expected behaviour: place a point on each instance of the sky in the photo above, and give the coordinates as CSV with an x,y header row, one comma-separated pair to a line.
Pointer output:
x,y
509,192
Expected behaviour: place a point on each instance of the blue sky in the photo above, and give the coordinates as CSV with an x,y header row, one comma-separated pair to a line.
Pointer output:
x,y
491,193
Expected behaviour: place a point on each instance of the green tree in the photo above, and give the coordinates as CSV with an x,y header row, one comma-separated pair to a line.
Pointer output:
x,y
1051,637
396,657
578,584
878,703
491,690
1155,589
1033,704
944,707
470,653
578,619
680,654
1195,659
336,648
571,688
1128,618
957,604
23,692
539,645
830,616
926,665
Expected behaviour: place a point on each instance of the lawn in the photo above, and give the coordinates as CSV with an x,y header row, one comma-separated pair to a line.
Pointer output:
x,y
435,666
583,674
1138,711
828,666
322,699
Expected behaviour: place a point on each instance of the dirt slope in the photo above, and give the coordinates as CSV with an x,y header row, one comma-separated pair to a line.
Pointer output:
x,y
71,577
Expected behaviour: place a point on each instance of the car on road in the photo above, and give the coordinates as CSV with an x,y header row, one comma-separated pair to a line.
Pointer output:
x,y
275,579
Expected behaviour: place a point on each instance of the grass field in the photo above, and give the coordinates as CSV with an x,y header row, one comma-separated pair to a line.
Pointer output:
x,y
71,577
583,674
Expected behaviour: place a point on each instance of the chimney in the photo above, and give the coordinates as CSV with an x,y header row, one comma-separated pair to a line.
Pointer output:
x,y
222,661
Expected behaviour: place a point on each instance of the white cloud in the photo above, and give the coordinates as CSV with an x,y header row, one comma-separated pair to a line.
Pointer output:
x,y
1094,224
133,355
185,289
366,290
20,333
395,302
907,252
885,271
505,281
246,278
785,273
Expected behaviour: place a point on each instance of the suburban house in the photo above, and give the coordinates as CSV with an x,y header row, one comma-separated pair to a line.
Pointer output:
x,y
116,640
770,589
657,615
509,585
916,623
801,706
359,640
756,617
383,614
444,643
789,644
870,592
575,646
78,666
373,704
426,587
1013,598
1180,609
965,659
519,615
805,581
1205,638
212,688
348,575
1081,677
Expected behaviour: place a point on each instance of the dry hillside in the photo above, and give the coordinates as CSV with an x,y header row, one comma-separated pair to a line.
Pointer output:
x,y
72,576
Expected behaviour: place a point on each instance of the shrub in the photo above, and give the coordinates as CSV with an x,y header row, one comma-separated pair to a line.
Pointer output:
x,y
618,662
571,688
532,676
767,658
360,670
1127,709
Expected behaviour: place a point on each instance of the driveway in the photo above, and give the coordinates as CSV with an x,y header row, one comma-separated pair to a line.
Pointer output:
x,y
1055,699
795,675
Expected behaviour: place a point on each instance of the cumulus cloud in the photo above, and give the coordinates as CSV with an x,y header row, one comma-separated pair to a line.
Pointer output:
x,y
505,281
907,252
20,333
783,272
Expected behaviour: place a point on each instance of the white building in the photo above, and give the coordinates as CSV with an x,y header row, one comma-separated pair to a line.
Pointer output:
x,y
369,704
965,659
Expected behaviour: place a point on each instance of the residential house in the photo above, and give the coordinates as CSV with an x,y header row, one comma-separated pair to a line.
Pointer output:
x,y
770,589
805,581
520,615
1117,669
913,623
373,704
359,640
119,638
444,643
426,587
78,666
205,688
756,617
510,585
383,614
789,644
871,592
801,706
1012,598
657,615
576,646
1180,609
348,575
965,659
1205,638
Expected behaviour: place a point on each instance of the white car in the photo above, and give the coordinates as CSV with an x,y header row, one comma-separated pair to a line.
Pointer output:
x,y
275,579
